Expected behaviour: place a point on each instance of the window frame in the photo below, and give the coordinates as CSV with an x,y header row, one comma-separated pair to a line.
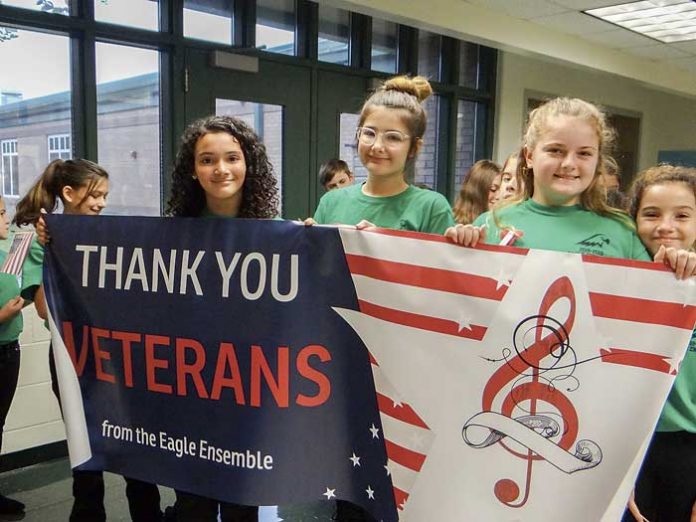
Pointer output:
x,y
59,151
12,143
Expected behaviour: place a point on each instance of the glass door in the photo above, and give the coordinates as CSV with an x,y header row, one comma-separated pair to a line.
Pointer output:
x,y
275,102
340,98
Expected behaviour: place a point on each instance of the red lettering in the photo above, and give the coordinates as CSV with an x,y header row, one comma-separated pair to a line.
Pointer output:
x,y
194,369
314,375
126,339
101,355
69,339
227,358
260,366
152,363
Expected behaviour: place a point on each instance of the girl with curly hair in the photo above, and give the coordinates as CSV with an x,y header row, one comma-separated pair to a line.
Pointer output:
x,y
221,170
663,204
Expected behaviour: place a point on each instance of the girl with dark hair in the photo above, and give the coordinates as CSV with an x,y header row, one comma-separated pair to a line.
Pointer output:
x,y
82,187
221,170
663,204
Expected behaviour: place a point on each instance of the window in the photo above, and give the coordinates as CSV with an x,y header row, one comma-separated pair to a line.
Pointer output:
x,y
465,154
143,14
384,45
61,7
59,147
35,103
426,162
275,26
348,146
209,20
334,35
469,65
10,168
429,45
128,129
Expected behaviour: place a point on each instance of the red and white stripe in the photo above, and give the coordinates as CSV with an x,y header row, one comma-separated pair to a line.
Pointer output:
x,y
425,289
430,289
18,253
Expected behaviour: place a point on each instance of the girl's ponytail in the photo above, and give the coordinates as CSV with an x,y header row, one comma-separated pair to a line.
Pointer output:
x,y
43,194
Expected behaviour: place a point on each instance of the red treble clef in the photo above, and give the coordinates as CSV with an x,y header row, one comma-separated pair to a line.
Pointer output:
x,y
551,344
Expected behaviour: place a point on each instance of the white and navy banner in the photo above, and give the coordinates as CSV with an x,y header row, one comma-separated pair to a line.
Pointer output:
x,y
262,362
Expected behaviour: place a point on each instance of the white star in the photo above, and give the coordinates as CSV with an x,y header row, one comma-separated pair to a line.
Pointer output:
x,y
370,492
355,459
387,468
503,279
375,431
330,493
464,322
674,366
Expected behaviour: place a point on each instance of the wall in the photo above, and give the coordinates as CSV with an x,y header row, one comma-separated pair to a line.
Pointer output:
x,y
34,417
668,121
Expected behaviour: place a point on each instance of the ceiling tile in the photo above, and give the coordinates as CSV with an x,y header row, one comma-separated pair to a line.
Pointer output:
x,y
574,23
522,9
620,39
657,52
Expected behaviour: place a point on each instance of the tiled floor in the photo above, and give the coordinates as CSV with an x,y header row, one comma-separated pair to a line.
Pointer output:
x,y
46,489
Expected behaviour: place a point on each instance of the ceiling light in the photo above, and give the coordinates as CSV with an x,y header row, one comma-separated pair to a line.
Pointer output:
x,y
664,20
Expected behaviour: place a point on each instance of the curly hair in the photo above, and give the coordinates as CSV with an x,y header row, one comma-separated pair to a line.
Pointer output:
x,y
259,193
659,175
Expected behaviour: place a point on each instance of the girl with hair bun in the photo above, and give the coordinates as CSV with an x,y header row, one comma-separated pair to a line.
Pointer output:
x,y
389,135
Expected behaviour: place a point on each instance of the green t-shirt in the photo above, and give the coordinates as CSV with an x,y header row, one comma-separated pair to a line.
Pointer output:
x,y
415,209
564,229
9,288
679,413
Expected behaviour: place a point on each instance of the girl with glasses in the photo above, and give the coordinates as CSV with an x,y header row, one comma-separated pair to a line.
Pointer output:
x,y
389,136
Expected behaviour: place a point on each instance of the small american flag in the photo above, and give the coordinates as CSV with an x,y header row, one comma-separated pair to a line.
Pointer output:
x,y
18,253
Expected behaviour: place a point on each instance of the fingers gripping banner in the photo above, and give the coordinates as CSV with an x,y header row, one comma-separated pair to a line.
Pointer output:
x,y
227,358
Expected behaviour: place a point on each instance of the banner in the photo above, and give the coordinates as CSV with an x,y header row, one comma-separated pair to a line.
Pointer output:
x,y
539,374
228,358
204,355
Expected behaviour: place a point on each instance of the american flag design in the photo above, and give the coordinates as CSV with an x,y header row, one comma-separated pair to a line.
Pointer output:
x,y
21,242
514,384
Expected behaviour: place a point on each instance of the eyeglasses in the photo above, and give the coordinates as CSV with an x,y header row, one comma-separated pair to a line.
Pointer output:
x,y
390,139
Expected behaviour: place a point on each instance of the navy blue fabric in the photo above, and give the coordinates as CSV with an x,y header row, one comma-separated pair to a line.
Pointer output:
x,y
310,445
